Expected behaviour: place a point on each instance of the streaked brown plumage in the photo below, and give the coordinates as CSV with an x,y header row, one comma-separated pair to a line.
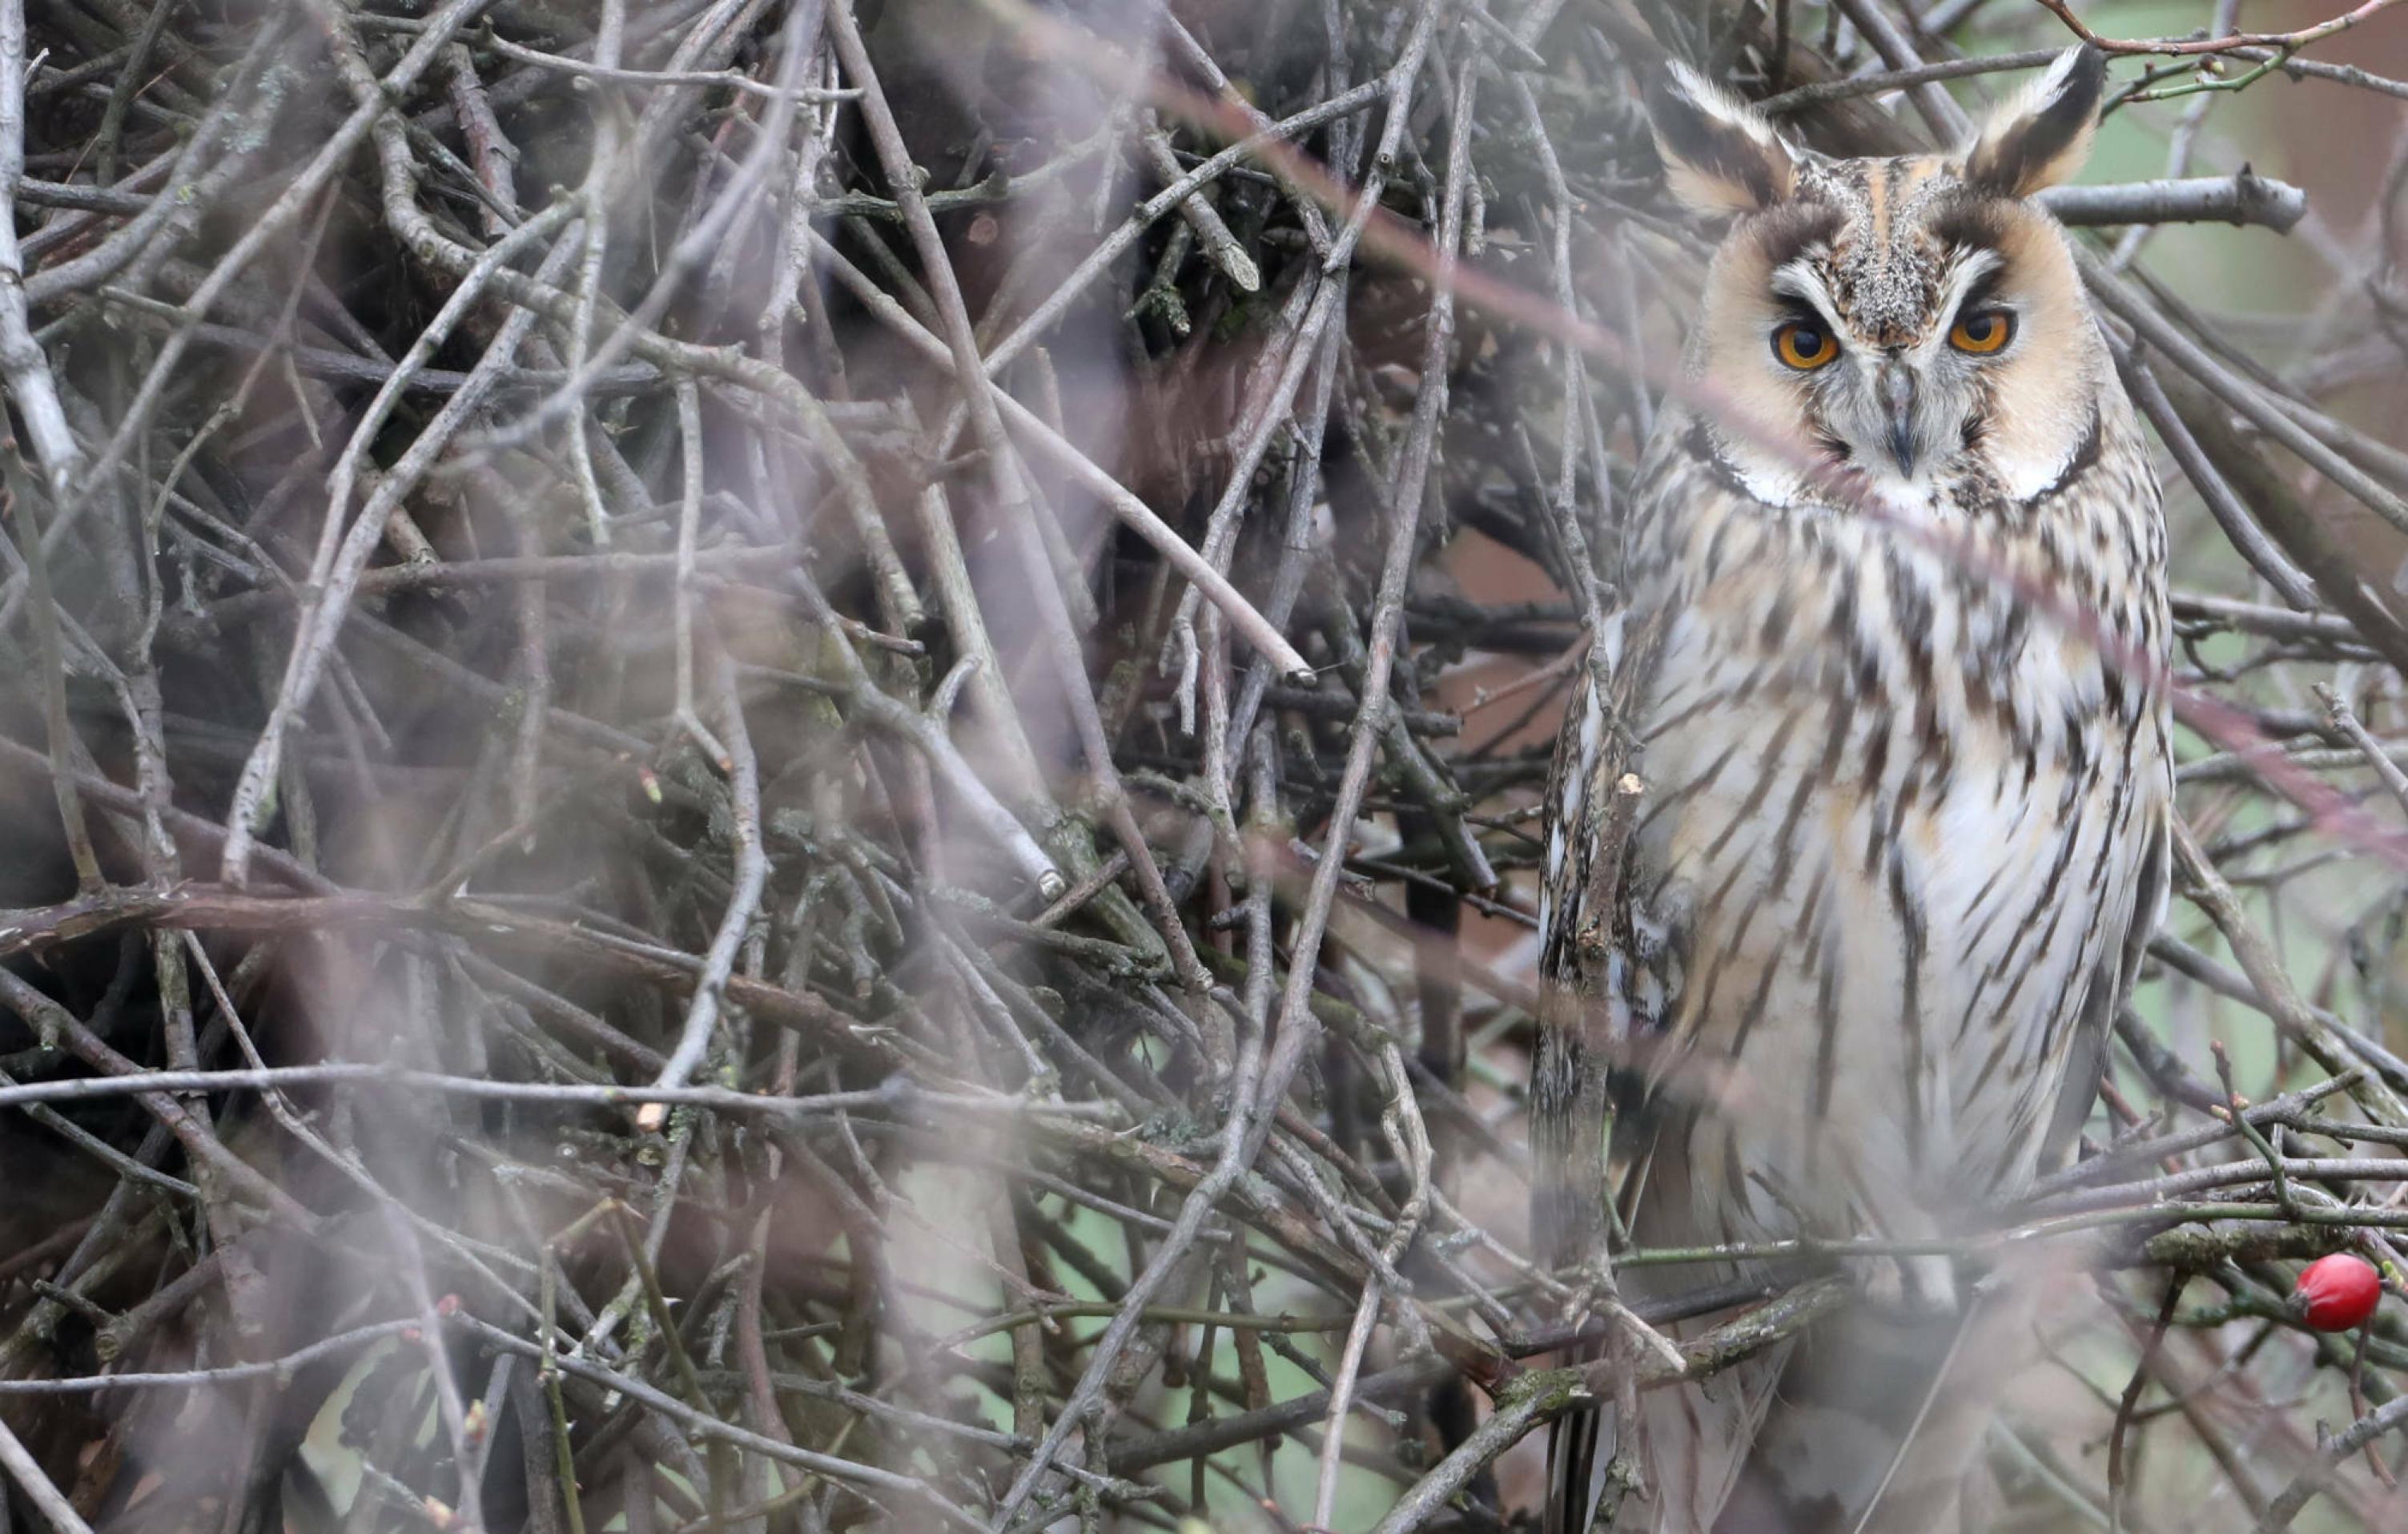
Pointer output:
x,y
1851,850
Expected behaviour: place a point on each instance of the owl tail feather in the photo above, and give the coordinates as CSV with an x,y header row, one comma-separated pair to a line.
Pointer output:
x,y
1871,1423
1571,1442
1877,1429
1669,1466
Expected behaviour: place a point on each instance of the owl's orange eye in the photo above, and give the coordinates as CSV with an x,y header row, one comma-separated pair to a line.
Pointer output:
x,y
1804,346
1982,334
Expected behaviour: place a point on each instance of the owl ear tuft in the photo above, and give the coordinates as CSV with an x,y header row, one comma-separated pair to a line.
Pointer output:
x,y
1720,156
2041,135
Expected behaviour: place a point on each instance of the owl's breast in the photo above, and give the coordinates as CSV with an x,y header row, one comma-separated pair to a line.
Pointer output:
x,y
1902,823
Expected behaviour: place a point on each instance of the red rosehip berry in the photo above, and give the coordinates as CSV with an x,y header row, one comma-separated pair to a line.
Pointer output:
x,y
2337,1293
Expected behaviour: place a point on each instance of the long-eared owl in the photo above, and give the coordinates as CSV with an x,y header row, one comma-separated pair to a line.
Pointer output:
x,y
1859,816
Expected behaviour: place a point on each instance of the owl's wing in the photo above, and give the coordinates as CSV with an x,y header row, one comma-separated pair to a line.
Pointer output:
x,y
1609,969
2109,987
1604,968
1604,981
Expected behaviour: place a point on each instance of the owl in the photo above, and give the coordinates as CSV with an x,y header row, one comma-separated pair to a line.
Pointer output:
x,y
1860,818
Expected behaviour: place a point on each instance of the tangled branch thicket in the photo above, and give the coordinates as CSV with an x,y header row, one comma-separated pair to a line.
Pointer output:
x,y
632,910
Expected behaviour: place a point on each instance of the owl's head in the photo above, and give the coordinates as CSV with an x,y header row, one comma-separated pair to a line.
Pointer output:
x,y
1919,319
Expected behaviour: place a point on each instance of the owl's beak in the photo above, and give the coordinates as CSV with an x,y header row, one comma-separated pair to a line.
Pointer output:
x,y
1895,382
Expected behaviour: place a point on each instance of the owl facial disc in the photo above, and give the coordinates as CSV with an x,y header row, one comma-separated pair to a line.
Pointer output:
x,y
1917,320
